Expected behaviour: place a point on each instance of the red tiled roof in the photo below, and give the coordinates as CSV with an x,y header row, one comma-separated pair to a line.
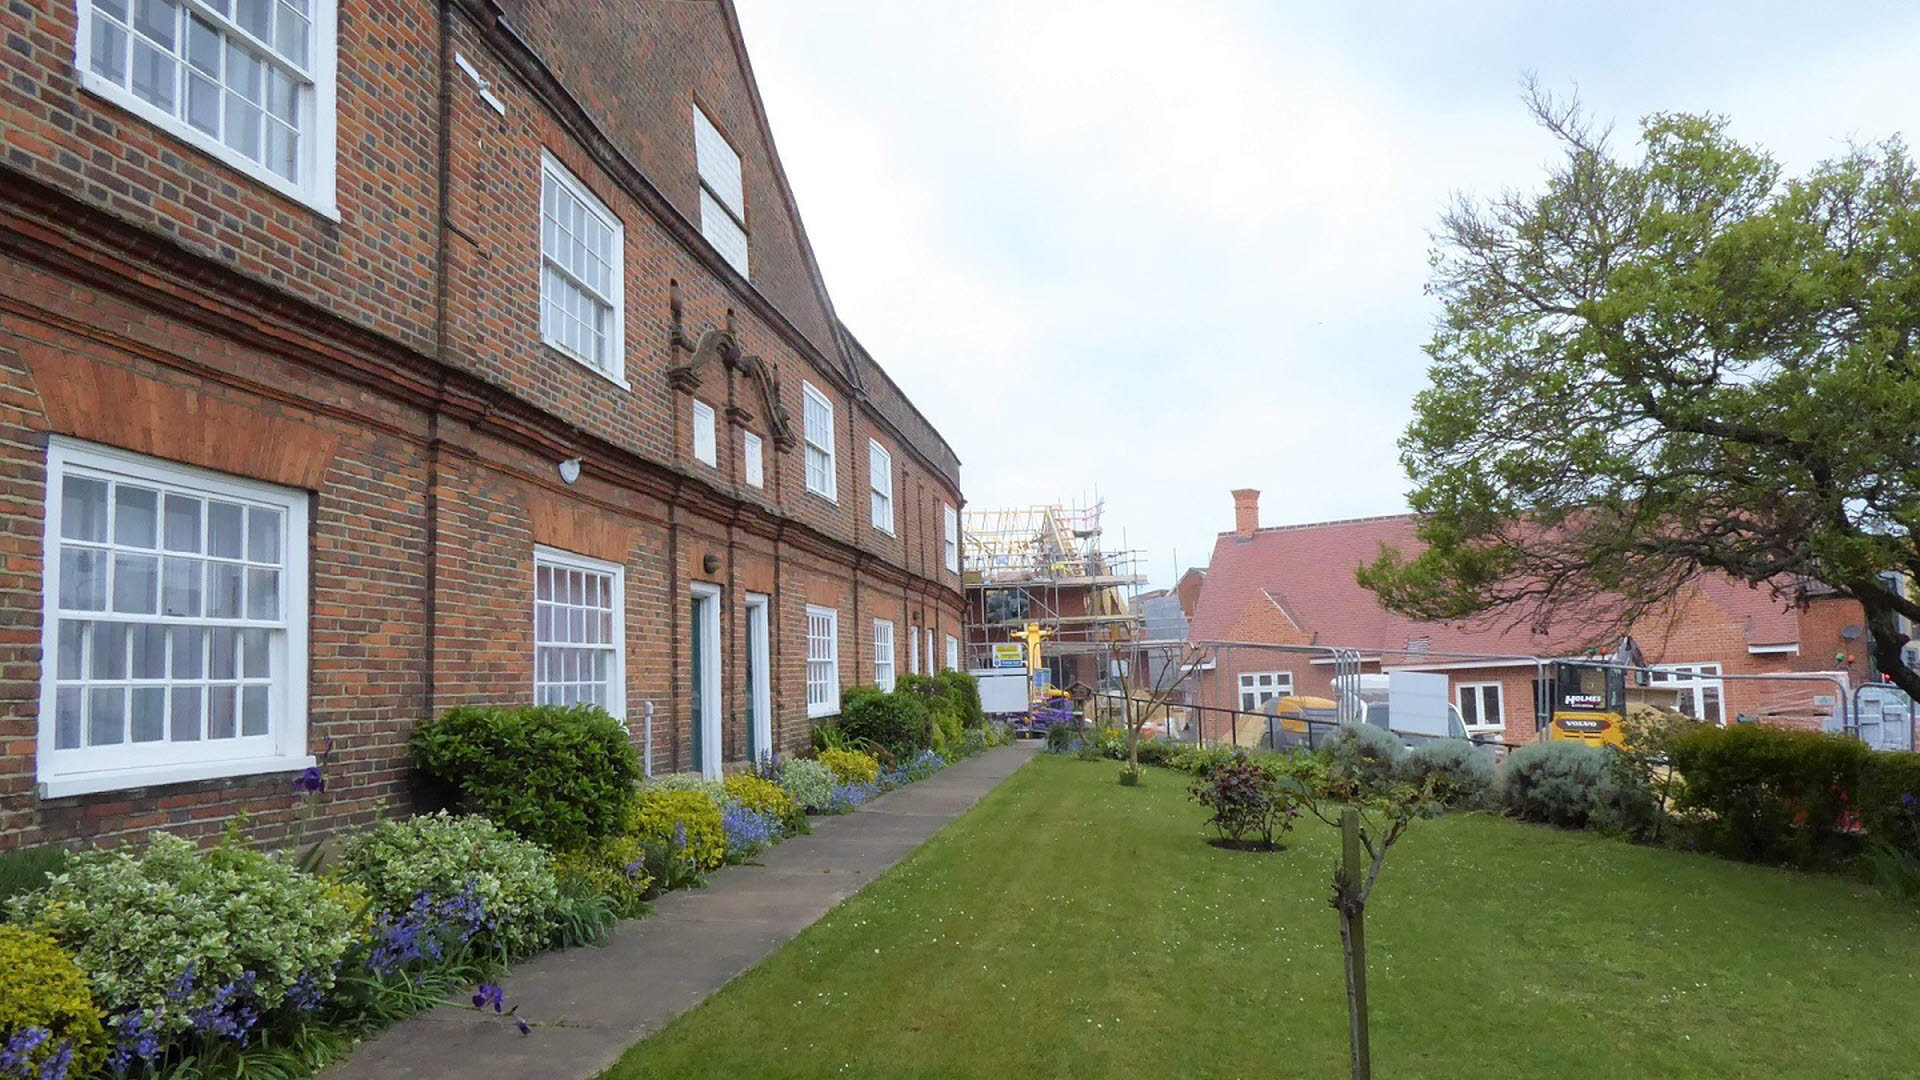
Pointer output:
x,y
1304,575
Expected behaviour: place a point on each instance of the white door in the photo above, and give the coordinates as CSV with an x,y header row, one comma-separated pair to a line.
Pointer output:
x,y
759,683
705,672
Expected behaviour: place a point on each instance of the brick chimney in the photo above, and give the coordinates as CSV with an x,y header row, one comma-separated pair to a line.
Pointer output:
x,y
1246,512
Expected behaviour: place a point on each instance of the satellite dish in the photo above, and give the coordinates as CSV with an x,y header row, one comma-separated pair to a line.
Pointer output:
x,y
1850,632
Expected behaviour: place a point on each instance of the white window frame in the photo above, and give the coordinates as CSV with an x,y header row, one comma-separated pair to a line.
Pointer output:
x,y
930,669
85,770
1693,680
913,649
823,661
885,659
723,193
753,460
1479,690
953,653
315,188
880,479
1259,687
616,369
819,442
705,439
952,526
617,670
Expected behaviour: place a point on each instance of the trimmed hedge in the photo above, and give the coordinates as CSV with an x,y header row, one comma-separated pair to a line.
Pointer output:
x,y
1889,800
1771,794
562,777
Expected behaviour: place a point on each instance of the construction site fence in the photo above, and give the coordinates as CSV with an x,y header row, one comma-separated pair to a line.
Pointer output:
x,y
1215,725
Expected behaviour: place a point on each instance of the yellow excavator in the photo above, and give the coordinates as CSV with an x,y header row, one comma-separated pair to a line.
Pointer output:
x,y
1589,702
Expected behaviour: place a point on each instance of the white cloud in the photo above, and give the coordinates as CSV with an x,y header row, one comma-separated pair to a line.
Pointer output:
x,y
1161,251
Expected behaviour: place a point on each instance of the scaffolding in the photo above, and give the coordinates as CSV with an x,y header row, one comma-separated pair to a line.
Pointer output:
x,y
1046,566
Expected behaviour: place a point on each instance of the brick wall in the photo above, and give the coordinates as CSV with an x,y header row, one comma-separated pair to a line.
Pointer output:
x,y
154,300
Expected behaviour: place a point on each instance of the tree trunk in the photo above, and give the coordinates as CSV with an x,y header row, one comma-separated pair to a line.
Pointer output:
x,y
1353,942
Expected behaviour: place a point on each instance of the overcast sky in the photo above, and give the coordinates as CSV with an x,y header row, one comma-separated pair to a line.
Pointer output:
x,y
1159,250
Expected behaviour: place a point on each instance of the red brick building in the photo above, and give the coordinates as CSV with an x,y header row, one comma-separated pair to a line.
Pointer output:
x,y
358,360
1294,585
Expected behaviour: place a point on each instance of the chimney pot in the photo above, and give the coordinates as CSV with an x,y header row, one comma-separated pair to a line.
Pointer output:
x,y
1246,512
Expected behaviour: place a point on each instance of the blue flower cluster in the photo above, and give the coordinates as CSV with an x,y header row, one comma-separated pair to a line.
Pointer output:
x,y
749,832
848,797
425,929
135,1037
16,1058
232,1013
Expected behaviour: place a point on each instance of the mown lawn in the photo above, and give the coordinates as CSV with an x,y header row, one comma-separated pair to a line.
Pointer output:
x,y
1071,927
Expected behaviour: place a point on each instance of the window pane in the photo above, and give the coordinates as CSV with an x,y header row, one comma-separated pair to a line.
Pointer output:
x,y
149,713
255,656
189,649
256,17
180,586
263,535
1470,706
109,62
109,651
243,127
253,710
203,46
186,713
136,583
225,529
223,590
220,653
135,516
83,508
263,593
106,716
156,77
157,19
183,523
70,647
220,712
290,36
68,705
149,652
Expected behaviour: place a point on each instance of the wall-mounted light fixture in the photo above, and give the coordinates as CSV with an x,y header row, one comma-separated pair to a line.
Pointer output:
x,y
570,470
711,564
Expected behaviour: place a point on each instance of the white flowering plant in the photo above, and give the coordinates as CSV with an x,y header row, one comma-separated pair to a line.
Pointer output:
x,y
504,886
213,943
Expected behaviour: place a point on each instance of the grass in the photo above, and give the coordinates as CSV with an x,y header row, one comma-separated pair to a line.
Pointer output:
x,y
1070,926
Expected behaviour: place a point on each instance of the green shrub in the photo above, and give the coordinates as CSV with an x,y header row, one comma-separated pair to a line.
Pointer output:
x,y
851,766
963,694
26,869
1770,794
899,722
614,867
686,819
440,856
1889,800
766,797
1060,738
1249,806
947,730
809,782
163,928
1202,760
1362,754
1572,785
1462,773
41,987
1155,751
712,789
559,776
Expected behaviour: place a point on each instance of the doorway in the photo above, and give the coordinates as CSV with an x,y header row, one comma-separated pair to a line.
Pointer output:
x,y
705,678
759,682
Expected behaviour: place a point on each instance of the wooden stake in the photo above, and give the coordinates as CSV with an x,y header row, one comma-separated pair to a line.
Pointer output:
x,y
1353,935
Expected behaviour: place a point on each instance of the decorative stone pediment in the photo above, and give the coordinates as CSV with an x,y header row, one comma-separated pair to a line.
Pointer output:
x,y
722,345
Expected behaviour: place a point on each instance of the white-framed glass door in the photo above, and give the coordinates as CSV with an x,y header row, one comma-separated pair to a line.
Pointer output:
x,y
759,681
704,672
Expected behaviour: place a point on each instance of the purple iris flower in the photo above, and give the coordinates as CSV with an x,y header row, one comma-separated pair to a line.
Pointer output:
x,y
490,994
310,781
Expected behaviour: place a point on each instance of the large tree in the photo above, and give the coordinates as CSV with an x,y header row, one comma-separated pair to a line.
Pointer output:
x,y
1662,366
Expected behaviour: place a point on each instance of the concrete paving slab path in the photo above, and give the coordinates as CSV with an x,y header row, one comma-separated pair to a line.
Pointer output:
x,y
589,1005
